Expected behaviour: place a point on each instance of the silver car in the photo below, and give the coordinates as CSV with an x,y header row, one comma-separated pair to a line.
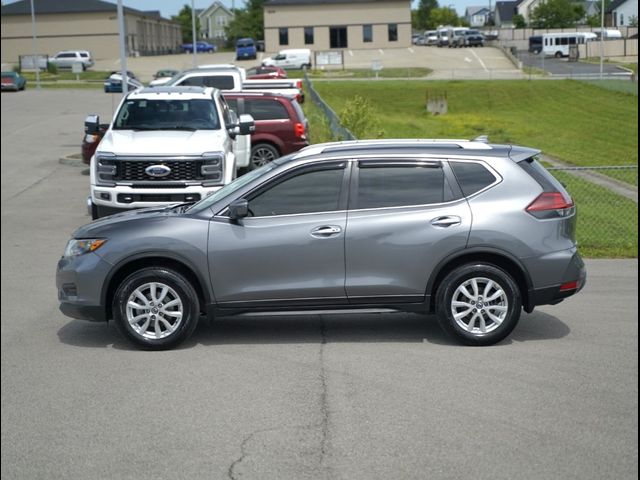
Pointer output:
x,y
472,232
68,58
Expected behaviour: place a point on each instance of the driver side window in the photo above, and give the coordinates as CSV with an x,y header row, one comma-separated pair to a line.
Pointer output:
x,y
309,192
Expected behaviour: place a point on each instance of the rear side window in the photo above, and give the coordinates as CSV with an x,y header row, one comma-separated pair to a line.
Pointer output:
x,y
266,109
396,186
472,177
541,175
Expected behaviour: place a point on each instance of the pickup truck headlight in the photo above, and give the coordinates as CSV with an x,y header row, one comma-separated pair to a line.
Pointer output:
x,y
106,169
212,168
81,246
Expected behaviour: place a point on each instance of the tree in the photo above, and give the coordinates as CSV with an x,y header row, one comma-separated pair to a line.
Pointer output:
x,y
443,16
423,14
519,21
184,19
557,14
247,22
633,21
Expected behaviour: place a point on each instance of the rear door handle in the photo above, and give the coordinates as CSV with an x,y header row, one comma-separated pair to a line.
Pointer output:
x,y
326,231
446,221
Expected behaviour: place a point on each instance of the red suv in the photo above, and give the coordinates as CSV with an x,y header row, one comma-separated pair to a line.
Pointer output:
x,y
281,127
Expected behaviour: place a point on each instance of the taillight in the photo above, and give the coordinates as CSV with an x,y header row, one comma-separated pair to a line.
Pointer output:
x,y
550,205
565,287
299,130
299,85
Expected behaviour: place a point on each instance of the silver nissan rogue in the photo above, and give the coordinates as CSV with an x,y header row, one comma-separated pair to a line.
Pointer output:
x,y
470,231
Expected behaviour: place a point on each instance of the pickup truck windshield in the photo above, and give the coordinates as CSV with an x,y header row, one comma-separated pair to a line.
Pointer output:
x,y
184,114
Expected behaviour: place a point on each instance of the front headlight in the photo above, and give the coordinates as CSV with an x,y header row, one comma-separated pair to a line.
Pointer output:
x,y
82,246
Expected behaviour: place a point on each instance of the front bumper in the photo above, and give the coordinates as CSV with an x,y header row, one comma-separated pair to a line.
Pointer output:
x,y
121,197
80,281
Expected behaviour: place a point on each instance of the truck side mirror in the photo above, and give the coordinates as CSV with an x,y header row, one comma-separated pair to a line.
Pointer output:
x,y
247,125
92,125
238,209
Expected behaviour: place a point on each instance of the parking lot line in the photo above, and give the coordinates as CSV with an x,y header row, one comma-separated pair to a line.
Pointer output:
x,y
481,62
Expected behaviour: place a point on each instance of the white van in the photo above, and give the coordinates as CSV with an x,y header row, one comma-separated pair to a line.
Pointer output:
x,y
291,59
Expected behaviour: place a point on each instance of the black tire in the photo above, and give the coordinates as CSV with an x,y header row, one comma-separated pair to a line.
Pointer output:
x,y
477,314
558,55
261,154
149,333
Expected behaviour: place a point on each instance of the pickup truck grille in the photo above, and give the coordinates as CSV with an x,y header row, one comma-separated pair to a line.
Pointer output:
x,y
134,171
169,171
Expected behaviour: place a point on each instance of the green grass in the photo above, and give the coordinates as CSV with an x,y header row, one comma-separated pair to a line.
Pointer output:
x,y
319,131
89,75
70,85
416,72
602,234
596,60
573,121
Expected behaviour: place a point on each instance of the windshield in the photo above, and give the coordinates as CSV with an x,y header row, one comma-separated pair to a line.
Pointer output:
x,y
232,187
184,114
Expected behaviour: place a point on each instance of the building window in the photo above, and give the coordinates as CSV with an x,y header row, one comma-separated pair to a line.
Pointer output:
x,y
338,37
393,32
284,35
622,19
367,33
308,35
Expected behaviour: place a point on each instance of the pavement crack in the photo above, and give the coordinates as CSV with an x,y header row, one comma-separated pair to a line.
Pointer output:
x,y
324,400
34,184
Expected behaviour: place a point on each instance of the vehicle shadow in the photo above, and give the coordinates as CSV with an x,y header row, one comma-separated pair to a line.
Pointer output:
x,y
344,328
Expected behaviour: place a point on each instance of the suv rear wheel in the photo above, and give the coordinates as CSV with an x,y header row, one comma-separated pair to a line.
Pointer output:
x,y
478,304
261,154
156,308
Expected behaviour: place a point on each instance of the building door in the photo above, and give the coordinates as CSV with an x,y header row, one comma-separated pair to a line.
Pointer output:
x,y
338,37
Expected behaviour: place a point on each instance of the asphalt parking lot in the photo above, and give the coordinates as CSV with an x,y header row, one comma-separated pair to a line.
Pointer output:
x,y
318,397
562,67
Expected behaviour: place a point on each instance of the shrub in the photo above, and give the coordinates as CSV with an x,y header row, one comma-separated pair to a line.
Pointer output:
x,y
52,68
359,116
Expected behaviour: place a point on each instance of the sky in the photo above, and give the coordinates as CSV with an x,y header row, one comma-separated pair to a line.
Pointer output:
x,y
172,7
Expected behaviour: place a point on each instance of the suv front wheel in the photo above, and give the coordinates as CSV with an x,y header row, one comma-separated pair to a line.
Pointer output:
x,y
478,304
156,308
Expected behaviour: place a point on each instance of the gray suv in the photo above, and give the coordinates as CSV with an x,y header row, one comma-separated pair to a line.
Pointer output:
x,y
469,231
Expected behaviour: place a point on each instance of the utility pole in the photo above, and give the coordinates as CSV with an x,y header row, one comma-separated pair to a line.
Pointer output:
x,y
35,59
123,51
193,34
602,40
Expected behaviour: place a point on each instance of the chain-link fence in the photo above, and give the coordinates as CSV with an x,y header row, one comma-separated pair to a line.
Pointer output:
x,y
338,132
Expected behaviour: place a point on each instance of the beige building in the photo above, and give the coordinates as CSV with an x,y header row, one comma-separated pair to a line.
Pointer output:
x,y
84,25
336,24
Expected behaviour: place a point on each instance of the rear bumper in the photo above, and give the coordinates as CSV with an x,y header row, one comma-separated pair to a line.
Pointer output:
x,y
573,280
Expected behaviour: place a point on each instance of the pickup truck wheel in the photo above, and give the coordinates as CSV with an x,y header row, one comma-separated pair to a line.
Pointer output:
x,y
156,308
261,154
478,304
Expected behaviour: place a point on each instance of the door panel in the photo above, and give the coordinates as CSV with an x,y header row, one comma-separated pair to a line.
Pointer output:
x,y
278,258
393,251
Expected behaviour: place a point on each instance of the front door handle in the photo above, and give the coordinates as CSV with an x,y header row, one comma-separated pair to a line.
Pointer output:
x,y
326,231
446,221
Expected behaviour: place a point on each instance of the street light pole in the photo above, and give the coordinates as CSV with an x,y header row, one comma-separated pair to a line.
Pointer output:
x,y
35,59
602,40
193,34
123,53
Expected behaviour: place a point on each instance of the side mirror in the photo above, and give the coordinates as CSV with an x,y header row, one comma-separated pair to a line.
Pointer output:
x,y
92,125
247,125
238,209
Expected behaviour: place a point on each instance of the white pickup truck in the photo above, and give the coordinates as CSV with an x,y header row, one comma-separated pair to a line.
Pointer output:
x,y
166,145
232,78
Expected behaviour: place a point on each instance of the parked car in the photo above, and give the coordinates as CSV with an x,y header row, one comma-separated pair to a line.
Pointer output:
x,y
281,127
91,140
67,58
470,38
203,47
162,77
472,232
260,45
265,73
430,37
13,81
113,84
246,49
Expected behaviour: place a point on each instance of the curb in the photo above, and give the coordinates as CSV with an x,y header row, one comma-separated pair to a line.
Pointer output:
x,y
72,160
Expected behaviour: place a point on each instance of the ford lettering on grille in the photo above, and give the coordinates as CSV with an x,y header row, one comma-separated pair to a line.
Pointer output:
x,y
157,171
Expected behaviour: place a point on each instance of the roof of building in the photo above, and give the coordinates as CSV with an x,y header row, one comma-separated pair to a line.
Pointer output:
x,y
23,7
322,2
506,10
615,4
212,8
471,11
